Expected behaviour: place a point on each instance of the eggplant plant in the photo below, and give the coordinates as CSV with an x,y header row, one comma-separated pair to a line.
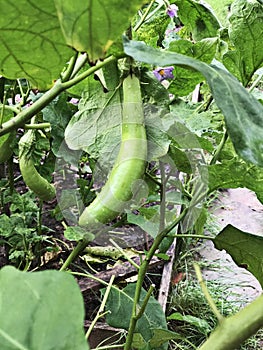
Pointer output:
x,y
144,91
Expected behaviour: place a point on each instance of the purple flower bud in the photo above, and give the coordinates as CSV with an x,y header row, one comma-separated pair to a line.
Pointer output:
x,y
172,11
164,73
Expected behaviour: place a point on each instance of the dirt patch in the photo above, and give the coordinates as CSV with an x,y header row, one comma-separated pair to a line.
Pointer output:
x,y
240,208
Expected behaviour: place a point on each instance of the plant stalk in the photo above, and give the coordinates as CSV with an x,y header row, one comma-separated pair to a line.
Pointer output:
x,y
162,197
11,175
141,274
65,76
21,118
145,302
37,126
75,252
219,148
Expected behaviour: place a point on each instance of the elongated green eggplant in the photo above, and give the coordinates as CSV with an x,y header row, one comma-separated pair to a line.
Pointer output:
x,y
129,165
38,184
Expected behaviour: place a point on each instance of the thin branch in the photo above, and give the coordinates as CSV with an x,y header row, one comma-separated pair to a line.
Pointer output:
x,y
207,294
162,197
124,254
38,126
12,109
139,24
100,312
219,148
91,70
145,302
65,76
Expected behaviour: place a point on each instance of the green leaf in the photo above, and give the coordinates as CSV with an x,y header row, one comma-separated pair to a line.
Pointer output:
x,y
161,336
234,174
245,34
70,204
92,26
120,305
153,30
138,342
201,221
58,113
202,325
186,80
76,233
7,143
149,226
204,126
221,9
198,20
40,310
197,122
153,92
32,45
24,206
243,113
180,159
95,128
6,226
246,249
158,140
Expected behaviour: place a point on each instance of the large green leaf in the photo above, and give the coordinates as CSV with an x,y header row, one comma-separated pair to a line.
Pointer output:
x,y
221,9
92,26
32,44
203,50
245,34
40,310
95,128
120,306
246,249
235,173
243,113
198,20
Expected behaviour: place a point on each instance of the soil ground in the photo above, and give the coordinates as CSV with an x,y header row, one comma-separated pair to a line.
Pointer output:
x,y
240,208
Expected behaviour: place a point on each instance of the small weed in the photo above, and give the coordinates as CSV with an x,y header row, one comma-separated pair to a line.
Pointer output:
x,y
20,229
